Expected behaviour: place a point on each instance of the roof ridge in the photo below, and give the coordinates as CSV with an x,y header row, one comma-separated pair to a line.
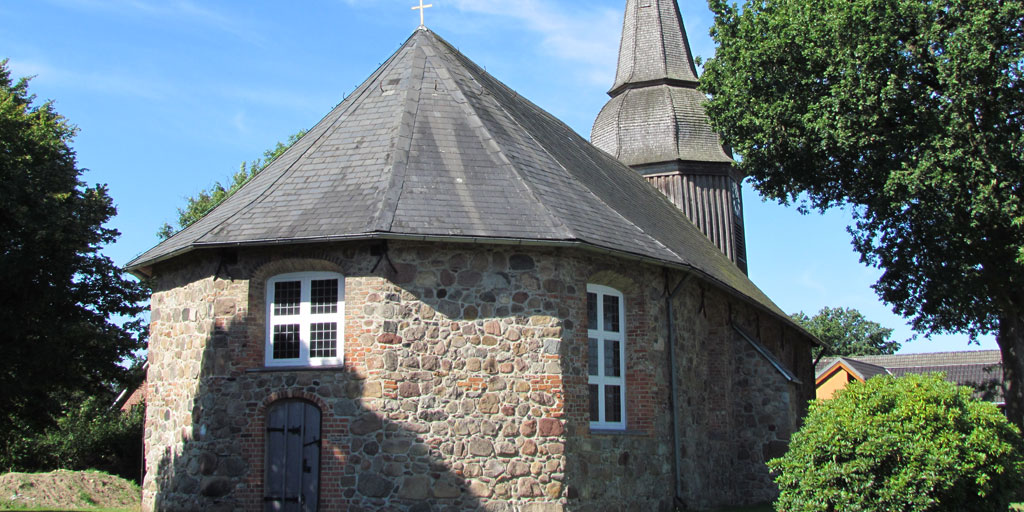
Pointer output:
x,y
973,363
675,124
343,113
633,43
564,170
567,231
385,217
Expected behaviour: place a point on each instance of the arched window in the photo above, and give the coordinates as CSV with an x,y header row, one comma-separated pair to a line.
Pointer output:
x,y
292,479
606,362
305,319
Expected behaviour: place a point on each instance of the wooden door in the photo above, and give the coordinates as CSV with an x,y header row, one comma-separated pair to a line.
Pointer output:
x,y
292,481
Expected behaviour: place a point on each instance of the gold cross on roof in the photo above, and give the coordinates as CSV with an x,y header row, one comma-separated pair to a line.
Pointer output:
x,y
421,7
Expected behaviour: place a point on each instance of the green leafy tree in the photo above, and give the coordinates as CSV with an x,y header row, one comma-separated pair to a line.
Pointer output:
x,y
912,443
59,295
206,200
909,111
847,333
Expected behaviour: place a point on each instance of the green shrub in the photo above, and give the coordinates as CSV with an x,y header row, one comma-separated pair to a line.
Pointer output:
x,y
916,443
89,435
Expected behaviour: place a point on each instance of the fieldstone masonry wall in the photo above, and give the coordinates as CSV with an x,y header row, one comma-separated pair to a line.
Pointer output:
x,y
464,384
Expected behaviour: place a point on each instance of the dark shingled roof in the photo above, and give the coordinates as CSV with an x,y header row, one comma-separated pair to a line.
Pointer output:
x,y
656,113
431,147
654,45
863,370
980,369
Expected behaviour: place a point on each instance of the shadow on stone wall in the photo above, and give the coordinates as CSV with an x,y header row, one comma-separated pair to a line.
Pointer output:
x,y
482,331
368,460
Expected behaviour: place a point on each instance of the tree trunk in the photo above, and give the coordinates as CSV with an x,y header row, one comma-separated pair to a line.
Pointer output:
x,y
1011,344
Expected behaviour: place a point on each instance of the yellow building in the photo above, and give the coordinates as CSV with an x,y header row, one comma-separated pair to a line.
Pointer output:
x,y
841,372
979,369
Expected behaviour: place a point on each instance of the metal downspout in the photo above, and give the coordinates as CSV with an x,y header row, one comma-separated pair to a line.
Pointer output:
x,y
673,399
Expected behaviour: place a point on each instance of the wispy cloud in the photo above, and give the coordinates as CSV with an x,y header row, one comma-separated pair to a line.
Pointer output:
x,y
573,31
240,123
110,82
175,10
113,82
272,98
811,282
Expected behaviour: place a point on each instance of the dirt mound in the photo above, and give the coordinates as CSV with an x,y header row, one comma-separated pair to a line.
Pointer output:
x,y
67,490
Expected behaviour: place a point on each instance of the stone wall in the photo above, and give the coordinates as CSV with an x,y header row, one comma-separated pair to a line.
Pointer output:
x,y
464,384
736,410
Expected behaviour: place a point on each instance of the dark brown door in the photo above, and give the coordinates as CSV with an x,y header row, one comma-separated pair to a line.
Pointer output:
x,y
293,457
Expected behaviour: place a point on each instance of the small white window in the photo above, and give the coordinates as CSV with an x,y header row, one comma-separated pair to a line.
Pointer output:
x,y
606,362
305,319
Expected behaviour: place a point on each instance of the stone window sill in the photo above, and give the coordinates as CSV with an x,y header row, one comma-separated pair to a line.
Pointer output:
x,y
611,432
272,369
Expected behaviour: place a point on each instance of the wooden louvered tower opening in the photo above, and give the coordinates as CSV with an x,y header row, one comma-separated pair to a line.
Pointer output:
x,y
707,200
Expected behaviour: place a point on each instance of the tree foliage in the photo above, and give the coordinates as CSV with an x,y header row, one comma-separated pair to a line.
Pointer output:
x,y
911,112
60,295
847,333
912,443
206,200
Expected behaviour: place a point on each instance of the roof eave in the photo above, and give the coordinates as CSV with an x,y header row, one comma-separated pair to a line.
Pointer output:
x,y
145,269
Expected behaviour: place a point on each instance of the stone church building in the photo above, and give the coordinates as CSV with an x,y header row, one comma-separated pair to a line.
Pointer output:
x,y
443,298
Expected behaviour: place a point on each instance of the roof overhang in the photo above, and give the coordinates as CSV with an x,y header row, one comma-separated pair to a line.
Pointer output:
x,y
144,271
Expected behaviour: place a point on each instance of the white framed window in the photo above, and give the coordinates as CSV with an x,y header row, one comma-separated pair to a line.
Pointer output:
x,y
606,361
305,319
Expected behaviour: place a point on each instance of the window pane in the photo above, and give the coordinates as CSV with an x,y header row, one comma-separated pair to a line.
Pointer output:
x,y
613,404
323,340
591,311
324,296
594,403
611,313
287,295
592,357
611,358
286,341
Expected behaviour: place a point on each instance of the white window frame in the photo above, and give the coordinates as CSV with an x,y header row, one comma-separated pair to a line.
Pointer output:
x,y
600,380
305,318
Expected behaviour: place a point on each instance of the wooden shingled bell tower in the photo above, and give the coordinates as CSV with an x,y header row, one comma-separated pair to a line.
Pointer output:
x,y
655,123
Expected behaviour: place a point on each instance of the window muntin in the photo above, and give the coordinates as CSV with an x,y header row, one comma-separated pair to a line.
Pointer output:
x,y
305,319
606,358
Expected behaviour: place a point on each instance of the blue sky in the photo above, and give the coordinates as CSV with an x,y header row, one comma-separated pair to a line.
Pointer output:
x,y
171,96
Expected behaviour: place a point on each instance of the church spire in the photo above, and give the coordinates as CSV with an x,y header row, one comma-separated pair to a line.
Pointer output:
x,y
654,46
655,123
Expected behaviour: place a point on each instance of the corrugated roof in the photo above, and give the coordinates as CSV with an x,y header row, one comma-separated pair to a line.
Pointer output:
x,y
935,358
985,378
980,369
433,147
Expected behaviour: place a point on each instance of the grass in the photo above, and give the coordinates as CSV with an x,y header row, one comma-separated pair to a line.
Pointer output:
x,y
72,509
1016,507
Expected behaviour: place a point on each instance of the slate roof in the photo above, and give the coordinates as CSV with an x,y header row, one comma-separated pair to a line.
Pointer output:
x,y
656,113
861,369
980,369
431,147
